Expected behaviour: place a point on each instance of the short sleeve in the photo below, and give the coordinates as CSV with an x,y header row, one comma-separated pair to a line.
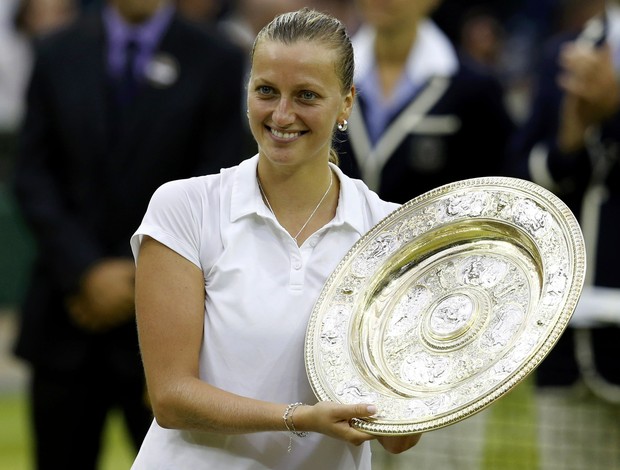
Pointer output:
x,y
173,218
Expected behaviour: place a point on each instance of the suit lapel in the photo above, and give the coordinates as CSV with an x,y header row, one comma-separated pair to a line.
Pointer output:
x,y
372,160
92,79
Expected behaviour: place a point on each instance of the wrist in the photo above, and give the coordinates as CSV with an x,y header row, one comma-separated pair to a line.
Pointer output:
x,y
289,419
289,422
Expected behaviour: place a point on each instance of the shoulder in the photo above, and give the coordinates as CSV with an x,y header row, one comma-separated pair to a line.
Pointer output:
x,y
72,41
214,63
192,192
199,192
204,38
180,214
360,201
86,26
372,198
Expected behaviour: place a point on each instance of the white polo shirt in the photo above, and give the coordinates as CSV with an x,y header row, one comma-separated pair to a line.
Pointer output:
x,y
260,290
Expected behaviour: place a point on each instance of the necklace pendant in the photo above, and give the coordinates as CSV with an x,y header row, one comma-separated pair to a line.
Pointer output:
x,y
329,187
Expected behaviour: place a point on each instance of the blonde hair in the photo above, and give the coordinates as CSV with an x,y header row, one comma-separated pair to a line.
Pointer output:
x,y
311,25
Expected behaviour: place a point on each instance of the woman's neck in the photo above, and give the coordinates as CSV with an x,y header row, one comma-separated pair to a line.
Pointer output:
x,y
303,200
287,186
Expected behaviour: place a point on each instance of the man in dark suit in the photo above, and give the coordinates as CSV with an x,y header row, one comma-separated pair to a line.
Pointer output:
x,y
119,102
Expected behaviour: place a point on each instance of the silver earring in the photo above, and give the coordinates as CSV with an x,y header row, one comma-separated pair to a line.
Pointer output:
x,y
343,126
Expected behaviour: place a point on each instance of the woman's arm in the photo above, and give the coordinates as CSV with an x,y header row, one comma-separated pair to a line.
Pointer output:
x,y
170,313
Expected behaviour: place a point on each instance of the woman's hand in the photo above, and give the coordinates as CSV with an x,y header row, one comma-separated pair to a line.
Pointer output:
x,y
398,444
333,420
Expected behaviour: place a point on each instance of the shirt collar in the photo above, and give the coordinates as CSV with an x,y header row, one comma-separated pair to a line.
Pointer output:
x,y
147,34
246,198
432,54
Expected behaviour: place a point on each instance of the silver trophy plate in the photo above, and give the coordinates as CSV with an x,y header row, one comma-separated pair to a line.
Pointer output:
x,y
447,304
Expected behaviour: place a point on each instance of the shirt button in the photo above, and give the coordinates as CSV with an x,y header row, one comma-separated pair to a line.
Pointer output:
x,y
297,264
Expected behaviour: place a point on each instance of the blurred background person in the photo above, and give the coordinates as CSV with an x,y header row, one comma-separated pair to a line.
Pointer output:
x,y
424,115
570,144
120,101
14,60
345,10
487,38
202,11
20,22
40,17
452,15
481,37
245,18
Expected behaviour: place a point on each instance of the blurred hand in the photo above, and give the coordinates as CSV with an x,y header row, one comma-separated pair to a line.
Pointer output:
x,y
591,89
398,444
106,296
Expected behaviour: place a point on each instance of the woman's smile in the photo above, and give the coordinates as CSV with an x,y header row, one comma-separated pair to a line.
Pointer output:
x,y
287,136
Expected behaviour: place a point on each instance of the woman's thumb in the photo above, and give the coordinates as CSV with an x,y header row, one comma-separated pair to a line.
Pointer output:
x,y
365,410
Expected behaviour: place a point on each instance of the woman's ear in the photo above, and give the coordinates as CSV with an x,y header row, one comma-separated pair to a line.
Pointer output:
x,y
348,104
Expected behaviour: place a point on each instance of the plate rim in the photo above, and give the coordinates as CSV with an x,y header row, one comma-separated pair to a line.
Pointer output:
x,y
571,230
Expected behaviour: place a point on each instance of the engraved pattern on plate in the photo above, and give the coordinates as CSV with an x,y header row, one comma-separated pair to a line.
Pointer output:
x,y
431,341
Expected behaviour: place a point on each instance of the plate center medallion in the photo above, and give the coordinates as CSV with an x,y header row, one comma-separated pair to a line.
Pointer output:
x,y
451,316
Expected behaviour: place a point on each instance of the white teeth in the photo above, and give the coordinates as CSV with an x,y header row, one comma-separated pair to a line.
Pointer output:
x,y
285,135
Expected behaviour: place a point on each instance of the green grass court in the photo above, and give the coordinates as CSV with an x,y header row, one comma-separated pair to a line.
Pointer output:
x,y
15,442
509,440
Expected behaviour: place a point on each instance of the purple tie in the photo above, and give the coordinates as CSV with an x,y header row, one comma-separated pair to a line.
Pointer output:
x,y
128,82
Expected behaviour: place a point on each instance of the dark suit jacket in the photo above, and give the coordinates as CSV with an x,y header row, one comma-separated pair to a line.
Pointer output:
x,y
455,128
84,175
571,177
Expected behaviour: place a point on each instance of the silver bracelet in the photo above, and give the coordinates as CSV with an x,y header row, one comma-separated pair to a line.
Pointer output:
x,y
288,417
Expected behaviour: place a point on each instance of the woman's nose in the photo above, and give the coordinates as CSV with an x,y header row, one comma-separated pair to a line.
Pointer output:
x,y
283,114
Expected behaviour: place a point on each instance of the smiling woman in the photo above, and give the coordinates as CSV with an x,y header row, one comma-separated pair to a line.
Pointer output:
x,y
293,110
230,265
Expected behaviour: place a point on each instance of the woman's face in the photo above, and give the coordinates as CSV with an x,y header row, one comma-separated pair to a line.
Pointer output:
x,y
295,99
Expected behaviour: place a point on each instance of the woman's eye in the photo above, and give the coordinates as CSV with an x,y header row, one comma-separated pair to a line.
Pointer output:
x,y
308,95
264,90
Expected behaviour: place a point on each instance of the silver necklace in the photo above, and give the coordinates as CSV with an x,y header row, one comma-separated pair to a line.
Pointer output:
x,y
331,180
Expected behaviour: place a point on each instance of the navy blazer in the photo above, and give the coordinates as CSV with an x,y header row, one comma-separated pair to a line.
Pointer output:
x,y
84,174
455,128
